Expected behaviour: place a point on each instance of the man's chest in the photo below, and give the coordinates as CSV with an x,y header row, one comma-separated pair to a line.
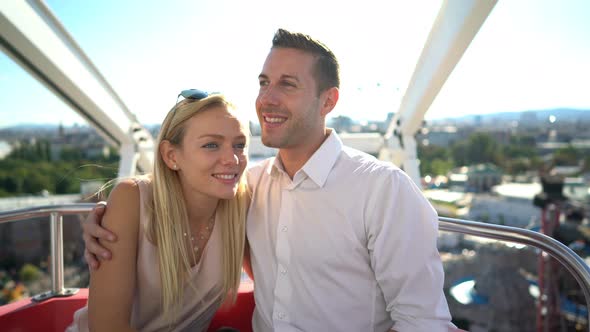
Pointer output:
x,y
306,227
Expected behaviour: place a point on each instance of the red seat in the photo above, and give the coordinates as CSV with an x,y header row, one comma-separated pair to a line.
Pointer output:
x,y
51,315
56,314
238,316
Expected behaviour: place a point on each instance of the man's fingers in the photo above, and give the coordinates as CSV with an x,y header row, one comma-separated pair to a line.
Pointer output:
x,y
91,226
99,209
91,260
92,233
95,231
95,249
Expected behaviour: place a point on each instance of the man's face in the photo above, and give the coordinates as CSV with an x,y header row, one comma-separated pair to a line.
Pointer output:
x,y
288,106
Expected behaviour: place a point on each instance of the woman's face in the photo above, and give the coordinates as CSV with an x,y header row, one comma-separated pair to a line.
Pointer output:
x,y
212,155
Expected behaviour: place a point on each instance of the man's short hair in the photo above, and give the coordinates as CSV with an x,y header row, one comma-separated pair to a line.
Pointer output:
x,y
326,70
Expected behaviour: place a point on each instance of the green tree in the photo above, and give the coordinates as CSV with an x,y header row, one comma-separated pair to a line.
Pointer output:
x,y
35,182
567,156
29,272
482,148
479,148
70,154
459,152
21,176
434,160
441,167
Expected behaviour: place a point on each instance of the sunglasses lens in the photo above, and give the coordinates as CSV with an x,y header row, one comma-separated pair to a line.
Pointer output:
x,y
194,94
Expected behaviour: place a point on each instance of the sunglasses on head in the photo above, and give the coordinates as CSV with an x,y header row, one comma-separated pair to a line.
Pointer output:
x,y
194,94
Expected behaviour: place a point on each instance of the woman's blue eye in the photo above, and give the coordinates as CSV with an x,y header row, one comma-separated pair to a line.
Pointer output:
x,y
240,146
210,146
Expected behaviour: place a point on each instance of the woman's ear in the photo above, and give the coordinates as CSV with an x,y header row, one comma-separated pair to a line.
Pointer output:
x,y
168,154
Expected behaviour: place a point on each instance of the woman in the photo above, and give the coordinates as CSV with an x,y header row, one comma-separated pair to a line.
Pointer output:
x,y
181,229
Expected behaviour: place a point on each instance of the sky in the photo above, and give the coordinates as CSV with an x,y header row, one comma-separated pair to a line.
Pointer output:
x,y
529,54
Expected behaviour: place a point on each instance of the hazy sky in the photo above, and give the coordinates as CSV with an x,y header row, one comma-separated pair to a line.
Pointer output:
x,y
530,54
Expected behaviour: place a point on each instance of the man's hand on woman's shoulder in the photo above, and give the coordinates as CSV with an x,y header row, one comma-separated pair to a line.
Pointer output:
x,y
92,231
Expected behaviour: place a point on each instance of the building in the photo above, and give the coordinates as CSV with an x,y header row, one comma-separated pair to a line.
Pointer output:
x,y
476,178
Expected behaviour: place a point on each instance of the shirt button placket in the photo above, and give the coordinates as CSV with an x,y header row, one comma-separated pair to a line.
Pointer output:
x,y
283,288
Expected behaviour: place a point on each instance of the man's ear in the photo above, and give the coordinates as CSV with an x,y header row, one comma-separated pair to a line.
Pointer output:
x,y
329,99
168,154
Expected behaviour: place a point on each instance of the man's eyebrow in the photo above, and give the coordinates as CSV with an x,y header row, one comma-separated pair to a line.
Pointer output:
x,y
292,77
284,76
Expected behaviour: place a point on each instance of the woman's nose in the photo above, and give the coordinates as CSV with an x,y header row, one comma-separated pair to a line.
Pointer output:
x,y
230,158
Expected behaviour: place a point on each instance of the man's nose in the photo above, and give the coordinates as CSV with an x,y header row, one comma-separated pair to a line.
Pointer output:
x,y
268,96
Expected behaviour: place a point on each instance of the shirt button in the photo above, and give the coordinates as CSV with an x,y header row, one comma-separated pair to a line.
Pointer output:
x,y
281,315
284,229
283,271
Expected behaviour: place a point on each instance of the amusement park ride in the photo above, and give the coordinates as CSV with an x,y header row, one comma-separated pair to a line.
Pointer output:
x,y
35,39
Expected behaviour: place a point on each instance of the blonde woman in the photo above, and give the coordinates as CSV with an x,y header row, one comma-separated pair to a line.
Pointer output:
x,y
181,229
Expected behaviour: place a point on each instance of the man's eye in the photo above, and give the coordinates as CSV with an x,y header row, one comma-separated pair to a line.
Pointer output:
x,y
210,146
263,83
288,84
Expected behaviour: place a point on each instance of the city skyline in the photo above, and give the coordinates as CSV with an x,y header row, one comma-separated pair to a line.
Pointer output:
x,y
549,117
528,55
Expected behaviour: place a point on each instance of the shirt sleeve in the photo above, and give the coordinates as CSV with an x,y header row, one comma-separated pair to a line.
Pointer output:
x,y
402,231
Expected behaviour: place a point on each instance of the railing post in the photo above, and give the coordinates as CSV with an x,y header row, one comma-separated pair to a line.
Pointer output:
x,y
57,252
57,260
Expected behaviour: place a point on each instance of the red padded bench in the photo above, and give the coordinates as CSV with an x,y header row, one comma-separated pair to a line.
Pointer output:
x,y
56,314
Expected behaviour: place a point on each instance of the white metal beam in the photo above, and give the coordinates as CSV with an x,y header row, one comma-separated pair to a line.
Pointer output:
x,y
456,25
35,39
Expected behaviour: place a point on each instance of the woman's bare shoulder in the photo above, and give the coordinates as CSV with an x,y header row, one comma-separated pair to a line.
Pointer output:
x,y
123,203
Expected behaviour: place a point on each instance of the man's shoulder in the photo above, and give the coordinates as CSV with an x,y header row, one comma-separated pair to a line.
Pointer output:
x,y
366,163
366,170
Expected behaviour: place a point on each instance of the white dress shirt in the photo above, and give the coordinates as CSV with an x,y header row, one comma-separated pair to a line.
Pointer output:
x,y
348,245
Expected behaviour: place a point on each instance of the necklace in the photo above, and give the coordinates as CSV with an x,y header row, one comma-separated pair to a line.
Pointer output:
x,y
198,242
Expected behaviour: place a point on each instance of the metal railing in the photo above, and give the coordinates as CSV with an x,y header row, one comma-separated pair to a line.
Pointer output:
x,y
564,255
55,213
560,252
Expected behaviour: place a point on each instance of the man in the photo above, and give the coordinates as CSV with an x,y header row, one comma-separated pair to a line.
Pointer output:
x,y
339,241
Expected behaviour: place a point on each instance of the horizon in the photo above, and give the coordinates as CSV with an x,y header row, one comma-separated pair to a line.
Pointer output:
x,y
559,109
528,55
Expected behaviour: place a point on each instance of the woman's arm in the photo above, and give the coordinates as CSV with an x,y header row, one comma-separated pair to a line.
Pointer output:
x,y
112,286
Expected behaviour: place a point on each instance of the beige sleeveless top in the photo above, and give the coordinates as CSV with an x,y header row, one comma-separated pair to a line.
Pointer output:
x,y
199,305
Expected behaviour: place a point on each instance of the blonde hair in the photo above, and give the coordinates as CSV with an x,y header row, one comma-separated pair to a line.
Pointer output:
x,y
169,218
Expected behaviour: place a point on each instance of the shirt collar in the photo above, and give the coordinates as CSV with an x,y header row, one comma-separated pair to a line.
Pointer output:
x,y
320,164
318,167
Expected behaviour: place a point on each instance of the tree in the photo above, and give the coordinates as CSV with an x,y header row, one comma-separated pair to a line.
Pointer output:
x,y
35,182
441,167
567,156
29,272
459,151
479,148
434,160
482,148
